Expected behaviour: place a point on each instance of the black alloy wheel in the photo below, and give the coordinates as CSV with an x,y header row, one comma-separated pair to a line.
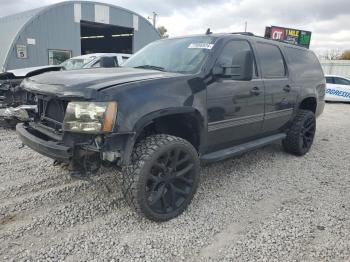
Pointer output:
x,y
301,134
170,181
307,133
163,177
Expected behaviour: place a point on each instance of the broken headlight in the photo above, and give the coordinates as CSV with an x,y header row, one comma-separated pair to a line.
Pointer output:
x,y
90,117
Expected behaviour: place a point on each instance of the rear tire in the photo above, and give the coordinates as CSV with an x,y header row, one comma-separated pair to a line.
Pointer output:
x,y
162,178
301,134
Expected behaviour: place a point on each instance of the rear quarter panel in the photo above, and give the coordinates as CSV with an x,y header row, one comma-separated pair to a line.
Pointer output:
x,y
306,73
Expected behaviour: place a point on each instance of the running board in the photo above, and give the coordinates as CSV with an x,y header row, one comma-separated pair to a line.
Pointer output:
x,y
240,149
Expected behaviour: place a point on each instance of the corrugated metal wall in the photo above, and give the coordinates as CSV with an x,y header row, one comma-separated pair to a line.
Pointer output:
x,y
9,28
55,28
336,67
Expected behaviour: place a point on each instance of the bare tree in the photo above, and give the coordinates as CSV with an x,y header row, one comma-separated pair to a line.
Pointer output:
x,y
332,54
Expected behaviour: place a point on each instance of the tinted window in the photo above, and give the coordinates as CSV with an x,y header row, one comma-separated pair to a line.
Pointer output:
x,y
304,63
329,80
341,81
272,63
230,53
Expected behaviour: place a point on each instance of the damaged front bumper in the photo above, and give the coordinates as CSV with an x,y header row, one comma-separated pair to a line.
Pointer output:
x,y
47,148
78,150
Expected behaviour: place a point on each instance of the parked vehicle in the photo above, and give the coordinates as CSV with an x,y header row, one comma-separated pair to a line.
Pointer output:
x,y
174,104
11,95
337,88
95,61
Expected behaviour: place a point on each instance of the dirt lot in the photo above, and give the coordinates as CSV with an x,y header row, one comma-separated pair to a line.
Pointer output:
x,y
264,205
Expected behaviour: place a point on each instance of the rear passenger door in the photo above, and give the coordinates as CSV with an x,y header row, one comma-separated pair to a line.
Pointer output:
x,y
280,95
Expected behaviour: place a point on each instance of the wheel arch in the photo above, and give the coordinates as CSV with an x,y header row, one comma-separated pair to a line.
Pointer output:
x,y
308,103
174,121
151,119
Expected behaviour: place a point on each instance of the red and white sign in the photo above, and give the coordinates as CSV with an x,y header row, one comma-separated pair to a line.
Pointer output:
x,y
277,33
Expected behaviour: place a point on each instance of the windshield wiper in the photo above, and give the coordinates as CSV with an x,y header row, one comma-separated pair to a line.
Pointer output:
x,y
151,67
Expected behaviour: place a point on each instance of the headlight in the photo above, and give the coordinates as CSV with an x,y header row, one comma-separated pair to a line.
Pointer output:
x,y
90,117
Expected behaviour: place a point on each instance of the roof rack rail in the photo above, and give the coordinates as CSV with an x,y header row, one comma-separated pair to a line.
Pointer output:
x,y
243,33
262,37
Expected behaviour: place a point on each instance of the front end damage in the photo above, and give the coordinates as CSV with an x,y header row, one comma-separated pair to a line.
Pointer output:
x,y
82,153
11,94
16,104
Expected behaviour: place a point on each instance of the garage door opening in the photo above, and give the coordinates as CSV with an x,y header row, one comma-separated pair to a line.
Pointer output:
x,y
102,38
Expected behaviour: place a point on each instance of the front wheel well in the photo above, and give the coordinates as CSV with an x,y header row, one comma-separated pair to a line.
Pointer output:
x,y
309,104
183,125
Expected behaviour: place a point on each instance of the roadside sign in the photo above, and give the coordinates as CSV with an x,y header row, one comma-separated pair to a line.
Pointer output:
x,y
293,36
22,51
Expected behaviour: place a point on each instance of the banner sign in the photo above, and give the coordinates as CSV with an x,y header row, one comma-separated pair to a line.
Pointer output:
x,y
293,36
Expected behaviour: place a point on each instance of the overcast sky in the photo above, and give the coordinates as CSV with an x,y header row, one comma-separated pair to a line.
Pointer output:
x,y
329,20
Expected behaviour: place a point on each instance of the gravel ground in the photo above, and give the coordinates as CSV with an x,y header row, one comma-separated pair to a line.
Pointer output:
x,y
264,205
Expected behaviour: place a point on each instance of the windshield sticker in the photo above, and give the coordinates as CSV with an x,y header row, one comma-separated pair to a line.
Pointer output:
x,y
201,46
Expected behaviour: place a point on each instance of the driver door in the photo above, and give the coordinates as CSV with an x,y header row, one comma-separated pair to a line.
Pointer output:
x,y
235,107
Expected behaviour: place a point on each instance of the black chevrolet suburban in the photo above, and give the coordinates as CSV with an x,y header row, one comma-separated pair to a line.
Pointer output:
x,y
174,104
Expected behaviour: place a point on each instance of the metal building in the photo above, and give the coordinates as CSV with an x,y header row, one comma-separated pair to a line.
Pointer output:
x,y
52,34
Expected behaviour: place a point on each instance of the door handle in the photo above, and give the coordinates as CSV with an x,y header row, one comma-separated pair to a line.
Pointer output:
x,y
255,91
287,88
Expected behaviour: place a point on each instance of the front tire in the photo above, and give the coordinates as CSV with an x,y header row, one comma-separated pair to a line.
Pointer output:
x,y
162,178
301,134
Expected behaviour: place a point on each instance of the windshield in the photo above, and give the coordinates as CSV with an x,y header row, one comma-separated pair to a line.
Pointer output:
x,y
76,63
183,55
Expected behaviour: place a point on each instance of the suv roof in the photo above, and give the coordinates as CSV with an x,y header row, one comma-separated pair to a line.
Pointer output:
x,y
249,34
244,35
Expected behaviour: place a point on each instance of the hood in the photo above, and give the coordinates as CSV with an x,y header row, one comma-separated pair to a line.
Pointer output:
x,y
85,83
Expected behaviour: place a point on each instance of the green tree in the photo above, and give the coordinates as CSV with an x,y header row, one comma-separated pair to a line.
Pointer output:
x,y
163,31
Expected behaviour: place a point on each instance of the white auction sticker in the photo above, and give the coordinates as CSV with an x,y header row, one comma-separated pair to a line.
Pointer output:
x,y
201,46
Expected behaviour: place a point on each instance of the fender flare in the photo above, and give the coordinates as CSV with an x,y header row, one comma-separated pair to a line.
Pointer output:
x,y
149,118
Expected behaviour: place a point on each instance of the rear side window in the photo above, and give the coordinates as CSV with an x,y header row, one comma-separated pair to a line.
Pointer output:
x,y
272,62
329,80
304,63
341,81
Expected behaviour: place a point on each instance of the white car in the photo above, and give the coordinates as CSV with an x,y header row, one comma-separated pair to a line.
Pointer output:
x,y
11,95
95,60
337,88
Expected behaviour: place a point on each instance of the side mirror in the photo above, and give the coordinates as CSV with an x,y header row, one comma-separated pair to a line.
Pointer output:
x,y
218,70
223,69
241,69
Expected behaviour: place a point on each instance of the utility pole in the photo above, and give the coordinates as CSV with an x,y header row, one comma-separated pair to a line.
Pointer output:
x,y
153,18
245,26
